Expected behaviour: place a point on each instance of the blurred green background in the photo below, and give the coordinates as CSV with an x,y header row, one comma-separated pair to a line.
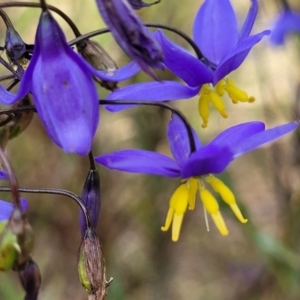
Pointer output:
x,y
258,260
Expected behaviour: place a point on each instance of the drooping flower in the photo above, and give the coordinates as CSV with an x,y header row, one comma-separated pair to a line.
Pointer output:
x,y
130,33
196,169
286,23
63,89
224,48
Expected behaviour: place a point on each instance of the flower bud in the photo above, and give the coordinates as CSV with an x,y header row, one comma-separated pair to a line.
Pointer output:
x,y
31,280
138,4
94,54
14,45
91,265
91,198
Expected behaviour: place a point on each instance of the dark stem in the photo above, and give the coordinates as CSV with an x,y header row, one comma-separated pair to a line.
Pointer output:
x,y
163,105
12,84
50,7
12,179
6,19
152,25
43,5
117,102
10,68
54,192
5,77
92,161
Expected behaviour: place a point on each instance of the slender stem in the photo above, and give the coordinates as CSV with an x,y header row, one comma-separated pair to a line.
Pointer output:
x,y
92,161
6,19
126,102
172,29
12,179
9,67
12,84
54,192
8,76
163,105
43,5
50,7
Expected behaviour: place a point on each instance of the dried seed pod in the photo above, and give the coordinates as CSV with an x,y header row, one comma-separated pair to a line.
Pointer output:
x,y
14,125
94,54
91,266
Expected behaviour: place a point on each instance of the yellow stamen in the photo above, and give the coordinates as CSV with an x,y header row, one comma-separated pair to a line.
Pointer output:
x,y
220,87
212,207
169,219
237,94
218,103
193,186
218,219
203,105
178,206
227,195
176,226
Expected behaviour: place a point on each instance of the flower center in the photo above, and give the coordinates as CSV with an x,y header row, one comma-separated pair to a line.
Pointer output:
x,y
212,95
184,198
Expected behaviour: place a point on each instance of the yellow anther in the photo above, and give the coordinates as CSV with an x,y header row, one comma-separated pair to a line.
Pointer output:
x,y
236,94
176,226
178,206
169,219
218,103
227,195
220,87
192,186
212,207
219,221
209,201
203,107
251,99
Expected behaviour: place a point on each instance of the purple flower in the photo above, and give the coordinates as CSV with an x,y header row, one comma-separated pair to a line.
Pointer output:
x,y
63,89
224,47
287,22
130,33
209,159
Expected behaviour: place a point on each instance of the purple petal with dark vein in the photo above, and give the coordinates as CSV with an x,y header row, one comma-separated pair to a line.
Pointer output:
x,y
130,33
179,140
237,134
215,29
6,208
287,22
237,55
3,175
250,19
151,91
206,160
140,161
65,96
263,137
183,64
